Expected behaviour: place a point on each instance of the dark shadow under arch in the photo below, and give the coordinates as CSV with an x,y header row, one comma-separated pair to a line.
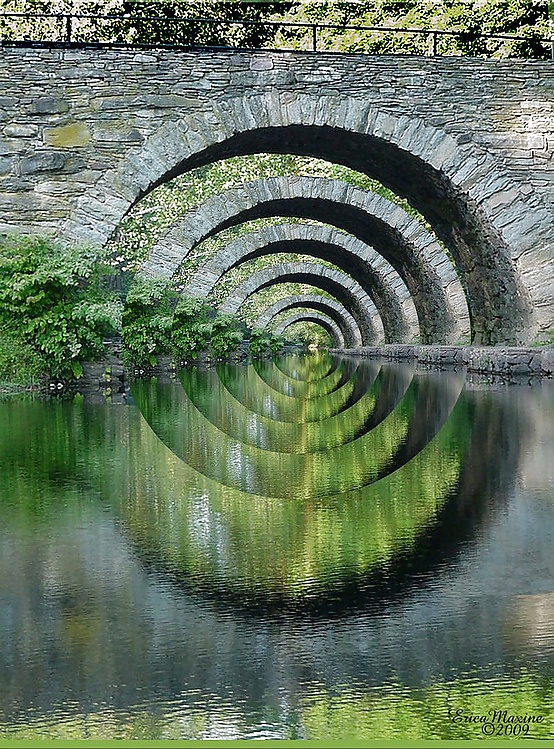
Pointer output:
x,y
395,326
500,305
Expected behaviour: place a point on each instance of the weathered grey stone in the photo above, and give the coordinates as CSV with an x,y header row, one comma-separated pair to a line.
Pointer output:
x,y
356,301
17,130
426,280
330,326
490,360
486,125
261,63
331,308
42,162
118,135
49,105
5,165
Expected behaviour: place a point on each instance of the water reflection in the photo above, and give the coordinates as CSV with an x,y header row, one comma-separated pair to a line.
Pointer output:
x,y
344,465
141,598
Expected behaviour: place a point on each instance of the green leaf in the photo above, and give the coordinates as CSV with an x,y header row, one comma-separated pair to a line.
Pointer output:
x,y
77,369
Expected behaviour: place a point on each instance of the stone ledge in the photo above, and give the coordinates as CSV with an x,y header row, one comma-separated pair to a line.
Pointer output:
x,y
502,360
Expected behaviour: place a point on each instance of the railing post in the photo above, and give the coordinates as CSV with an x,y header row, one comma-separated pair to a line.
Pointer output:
x,y
314,37
552,49
68,28
433,43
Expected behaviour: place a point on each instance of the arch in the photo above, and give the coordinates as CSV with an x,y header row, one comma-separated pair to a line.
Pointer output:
x,y
330,307
332,281
377,277
324,322
498,235
403,242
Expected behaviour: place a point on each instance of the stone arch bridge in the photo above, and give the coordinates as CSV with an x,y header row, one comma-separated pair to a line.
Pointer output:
x,y
466,145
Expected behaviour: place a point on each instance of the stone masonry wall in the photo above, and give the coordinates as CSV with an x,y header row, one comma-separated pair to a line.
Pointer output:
x,y
84,133
67,115
497,360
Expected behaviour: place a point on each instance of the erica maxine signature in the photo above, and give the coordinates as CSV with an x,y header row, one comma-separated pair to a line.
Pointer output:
x,y
497,722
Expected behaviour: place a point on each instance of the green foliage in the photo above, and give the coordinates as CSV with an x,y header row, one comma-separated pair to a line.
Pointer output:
x,y
307,333
191,327
158,321
528,18
147,321
265,342
53,303
225,335
19,363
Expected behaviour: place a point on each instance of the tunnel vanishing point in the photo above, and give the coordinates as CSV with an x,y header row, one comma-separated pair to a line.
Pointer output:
x,y
468,143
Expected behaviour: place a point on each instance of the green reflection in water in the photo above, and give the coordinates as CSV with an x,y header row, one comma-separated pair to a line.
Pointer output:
x,y
63,464
394,711
405,713
55,454
194,439
205,390
245,385
210,532
307,367
292,547
277,380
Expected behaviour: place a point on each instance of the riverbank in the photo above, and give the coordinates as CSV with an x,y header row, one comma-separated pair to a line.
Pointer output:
x,y
506,361
108,378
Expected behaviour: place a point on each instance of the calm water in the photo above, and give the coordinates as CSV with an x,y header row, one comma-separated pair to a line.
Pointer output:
x,y
313,547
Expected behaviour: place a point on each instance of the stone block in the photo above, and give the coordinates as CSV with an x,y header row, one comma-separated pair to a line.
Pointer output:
x,y
5,165
8,102
261,63
73,135
118,134
42,162
20,130
49,105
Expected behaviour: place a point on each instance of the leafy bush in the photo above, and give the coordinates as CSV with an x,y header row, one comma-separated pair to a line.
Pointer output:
x,y
264,342
225,335
158,321
53,303
147,321
18,362
191,327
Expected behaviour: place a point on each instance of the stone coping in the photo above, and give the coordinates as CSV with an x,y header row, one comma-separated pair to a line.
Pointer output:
x,y
499,360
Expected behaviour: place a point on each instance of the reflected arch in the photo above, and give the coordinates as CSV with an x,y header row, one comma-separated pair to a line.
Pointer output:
x,y
374,274
329,307
339,285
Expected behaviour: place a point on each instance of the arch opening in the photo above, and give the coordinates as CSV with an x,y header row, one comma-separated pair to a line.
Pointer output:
x,y
501,308
340,288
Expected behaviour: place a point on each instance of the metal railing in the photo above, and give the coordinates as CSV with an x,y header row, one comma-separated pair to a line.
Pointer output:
x,y
192,33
